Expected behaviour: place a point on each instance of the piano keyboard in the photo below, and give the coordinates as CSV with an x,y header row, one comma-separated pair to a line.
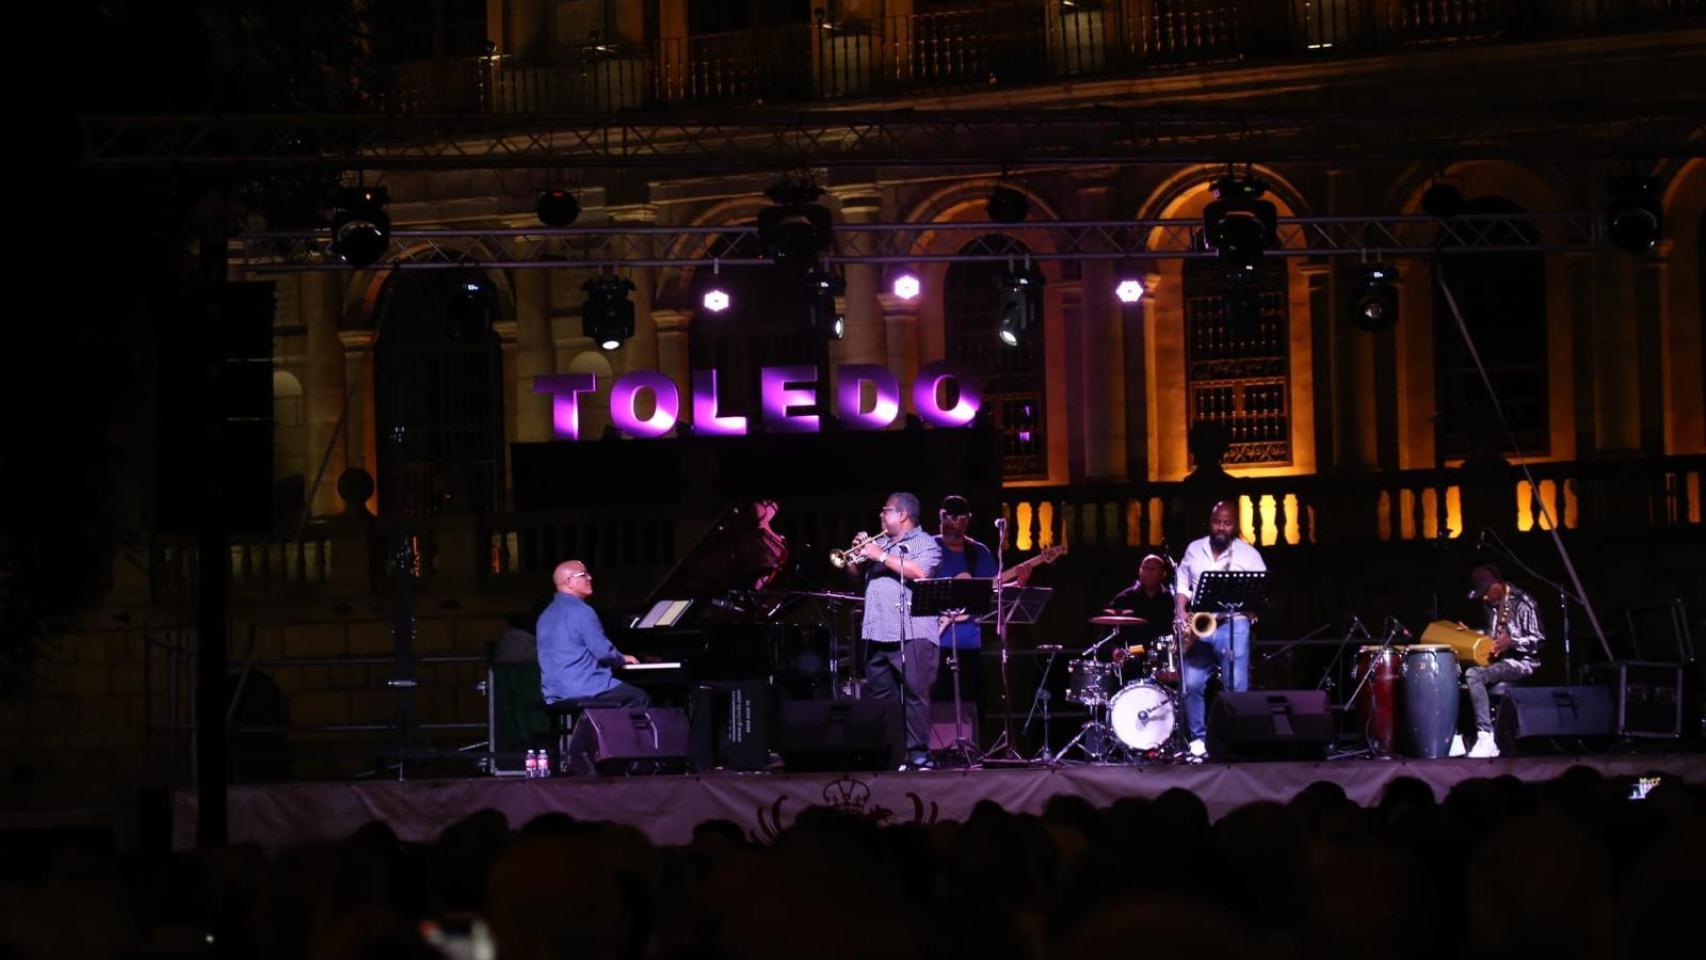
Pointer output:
x,y
668,665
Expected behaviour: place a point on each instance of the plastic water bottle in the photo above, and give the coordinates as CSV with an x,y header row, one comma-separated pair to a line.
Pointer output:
x,y
545,764
532,764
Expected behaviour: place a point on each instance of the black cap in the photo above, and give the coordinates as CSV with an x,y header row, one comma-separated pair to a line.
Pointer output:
x,y
955,505
1482,579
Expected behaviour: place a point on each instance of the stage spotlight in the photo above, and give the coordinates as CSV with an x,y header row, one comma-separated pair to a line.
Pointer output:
x,y
557,208
1376,306
607,316
907,287
361,232
1238,224
1442,201
821,315
796,229
1129,290
716,300
1634,217
1021,305
1007,205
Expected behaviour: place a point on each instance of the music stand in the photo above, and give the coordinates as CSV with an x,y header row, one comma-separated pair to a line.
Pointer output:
x,y
1017,605
954,595
1231,591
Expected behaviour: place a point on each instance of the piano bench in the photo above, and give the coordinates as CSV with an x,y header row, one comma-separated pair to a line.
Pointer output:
x,y
564,715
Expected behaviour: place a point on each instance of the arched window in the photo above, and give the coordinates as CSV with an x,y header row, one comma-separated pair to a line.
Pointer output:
x,y
1503,299
439,372
1011,377
765,325
1238,360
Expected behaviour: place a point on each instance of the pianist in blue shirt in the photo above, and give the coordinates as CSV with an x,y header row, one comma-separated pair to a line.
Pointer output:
x,y
576,659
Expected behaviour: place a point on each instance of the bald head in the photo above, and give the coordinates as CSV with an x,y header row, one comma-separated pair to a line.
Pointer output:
x,y
571,577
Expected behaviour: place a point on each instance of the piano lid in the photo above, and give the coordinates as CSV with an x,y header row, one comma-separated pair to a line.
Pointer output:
x,y
736,556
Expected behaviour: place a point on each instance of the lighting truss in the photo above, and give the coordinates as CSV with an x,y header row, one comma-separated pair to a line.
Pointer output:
x,y
911,243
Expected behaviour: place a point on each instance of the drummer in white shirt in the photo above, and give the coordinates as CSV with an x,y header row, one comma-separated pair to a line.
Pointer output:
x,y
1228,648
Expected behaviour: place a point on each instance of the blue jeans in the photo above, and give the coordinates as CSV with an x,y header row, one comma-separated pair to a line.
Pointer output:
x,y
1227,648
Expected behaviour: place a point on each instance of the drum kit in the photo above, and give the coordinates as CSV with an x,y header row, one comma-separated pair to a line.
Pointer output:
x,y
1133,696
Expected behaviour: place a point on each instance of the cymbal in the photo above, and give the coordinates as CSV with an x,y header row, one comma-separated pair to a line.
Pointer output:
x,y
827,595
1117,620
1049,648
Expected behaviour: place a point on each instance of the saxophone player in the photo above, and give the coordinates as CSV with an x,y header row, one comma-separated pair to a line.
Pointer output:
x,y
1228,648
1513,624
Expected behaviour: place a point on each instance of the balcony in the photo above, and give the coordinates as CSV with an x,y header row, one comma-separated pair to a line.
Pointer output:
x,y
1003,45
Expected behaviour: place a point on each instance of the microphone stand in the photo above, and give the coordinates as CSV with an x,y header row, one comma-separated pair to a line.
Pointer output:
x,y
905,635
1351,630
1003,754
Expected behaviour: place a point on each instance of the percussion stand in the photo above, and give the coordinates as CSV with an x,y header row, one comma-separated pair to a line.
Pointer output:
x,y
1368,750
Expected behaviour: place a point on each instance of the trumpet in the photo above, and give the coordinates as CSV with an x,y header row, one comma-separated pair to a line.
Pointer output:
x,y
842,559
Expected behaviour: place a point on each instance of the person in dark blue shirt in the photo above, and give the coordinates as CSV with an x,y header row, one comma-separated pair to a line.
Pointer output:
x,y
575,657
961,557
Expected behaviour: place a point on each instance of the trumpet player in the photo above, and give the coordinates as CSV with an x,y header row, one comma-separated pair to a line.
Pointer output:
x,y
1227,647
901,664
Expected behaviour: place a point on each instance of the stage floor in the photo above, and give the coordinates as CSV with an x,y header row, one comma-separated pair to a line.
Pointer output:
x,y
668,807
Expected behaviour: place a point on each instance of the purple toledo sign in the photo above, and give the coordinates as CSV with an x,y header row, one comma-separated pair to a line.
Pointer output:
x,y
788,398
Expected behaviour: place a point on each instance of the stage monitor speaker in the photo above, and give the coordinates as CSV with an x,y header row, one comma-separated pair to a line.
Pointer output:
x,y
1535,719
942,724
828,735
614,741
731,725
1270,725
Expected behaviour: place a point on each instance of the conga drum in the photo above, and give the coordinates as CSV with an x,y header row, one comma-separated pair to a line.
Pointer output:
x,y
1427,691
1374,674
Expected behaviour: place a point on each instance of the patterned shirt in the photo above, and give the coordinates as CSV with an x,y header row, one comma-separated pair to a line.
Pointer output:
x,y
884,592
1526,633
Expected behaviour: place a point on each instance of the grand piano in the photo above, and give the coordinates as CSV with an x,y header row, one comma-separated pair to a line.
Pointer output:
x,y
736,608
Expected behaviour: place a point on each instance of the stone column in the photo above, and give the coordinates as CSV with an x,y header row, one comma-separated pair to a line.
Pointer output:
x,y
535,356
1101,416
866,339
360,444
323,385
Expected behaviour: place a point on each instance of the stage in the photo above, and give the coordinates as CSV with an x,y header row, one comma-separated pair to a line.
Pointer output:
x,y
666,808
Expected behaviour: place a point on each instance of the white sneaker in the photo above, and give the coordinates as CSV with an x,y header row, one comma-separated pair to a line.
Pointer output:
x,y
1198,749
1457,747
1484,747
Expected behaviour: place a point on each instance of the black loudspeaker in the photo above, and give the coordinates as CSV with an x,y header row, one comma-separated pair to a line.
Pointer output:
x,y
1531,718
613,741
942,724
731,725
1270,725
839,735
1649,696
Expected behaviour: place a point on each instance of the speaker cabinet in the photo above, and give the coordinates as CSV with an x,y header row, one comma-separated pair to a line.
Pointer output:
x,y
615,741
1270,725
828,735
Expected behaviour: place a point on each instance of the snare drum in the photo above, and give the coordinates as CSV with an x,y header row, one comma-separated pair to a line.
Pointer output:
x,y
1376,703
1090,681
1142,715
1427,688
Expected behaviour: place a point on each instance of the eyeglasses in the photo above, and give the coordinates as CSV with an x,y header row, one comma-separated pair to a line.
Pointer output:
x,y
582,573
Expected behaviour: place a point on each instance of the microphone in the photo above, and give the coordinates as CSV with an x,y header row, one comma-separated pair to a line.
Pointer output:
x,y
1398,627
1000,526
1481,542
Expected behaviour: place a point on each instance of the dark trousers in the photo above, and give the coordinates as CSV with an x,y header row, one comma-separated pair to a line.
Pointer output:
x,y
621,695
1478,679
883,682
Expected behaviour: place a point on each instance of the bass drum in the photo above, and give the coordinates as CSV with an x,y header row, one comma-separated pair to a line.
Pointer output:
x,y
1142,715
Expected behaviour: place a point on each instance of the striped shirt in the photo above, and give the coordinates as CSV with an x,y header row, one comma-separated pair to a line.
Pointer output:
x,y
884,592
